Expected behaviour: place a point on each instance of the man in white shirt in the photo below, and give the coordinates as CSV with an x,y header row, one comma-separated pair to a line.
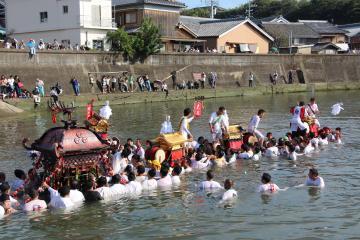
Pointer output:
x,y
19,181
61,198
139,150
314,180
200,162
247,152
35,204
75,195
210,184
217,124
141,175
271,150
267,186
103,188
185,124
296,121
150,184
2,211
175,178
312,110
254,124
118,162
230,193
117,189
133,187
165,181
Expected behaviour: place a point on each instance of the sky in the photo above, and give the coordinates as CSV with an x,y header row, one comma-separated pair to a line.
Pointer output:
x,y
222,3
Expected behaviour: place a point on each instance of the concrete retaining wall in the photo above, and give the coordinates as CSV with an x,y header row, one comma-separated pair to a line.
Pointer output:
x,y
232,70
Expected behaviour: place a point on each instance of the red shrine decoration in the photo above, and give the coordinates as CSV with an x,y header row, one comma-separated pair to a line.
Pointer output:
x,y
71,152
198,108
90,110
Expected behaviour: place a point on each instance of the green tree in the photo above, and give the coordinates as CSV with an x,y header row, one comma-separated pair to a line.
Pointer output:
x,y
147,40
335,11
197,12
121,42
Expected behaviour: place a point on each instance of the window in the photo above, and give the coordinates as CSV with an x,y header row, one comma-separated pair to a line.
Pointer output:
x,y
98,44
65,9
120,21
65,43
96,15
43,17
130,17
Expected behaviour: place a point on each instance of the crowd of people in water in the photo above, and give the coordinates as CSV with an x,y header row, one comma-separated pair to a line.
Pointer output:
x,y
133,173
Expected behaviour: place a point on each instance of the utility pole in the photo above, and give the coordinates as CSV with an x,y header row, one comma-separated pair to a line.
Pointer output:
x,y
212,4
250,9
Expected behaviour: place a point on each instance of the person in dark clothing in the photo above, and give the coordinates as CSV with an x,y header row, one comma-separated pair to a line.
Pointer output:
x,y
76,86
173,77
290,77
91,195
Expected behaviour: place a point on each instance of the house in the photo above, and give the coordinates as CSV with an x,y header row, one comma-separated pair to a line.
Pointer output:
x,y
328,32
353,33
299,49
179,33
129,14
325,48
274,19
291,34
228,35
68,21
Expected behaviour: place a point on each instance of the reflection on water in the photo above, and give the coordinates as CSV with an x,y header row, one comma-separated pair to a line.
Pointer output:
x,y
186,213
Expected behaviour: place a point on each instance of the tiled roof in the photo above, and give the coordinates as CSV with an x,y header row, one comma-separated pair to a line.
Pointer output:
x,y
298,30
156,2
321,46
323,27
206,27
352,29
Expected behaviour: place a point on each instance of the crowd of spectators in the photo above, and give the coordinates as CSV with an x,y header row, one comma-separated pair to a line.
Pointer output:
x,y
197,50
13,87
127,82
12,43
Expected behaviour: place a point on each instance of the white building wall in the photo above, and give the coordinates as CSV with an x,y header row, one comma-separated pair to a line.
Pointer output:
x,y
24,16
91,16
96,14
90,35
72,35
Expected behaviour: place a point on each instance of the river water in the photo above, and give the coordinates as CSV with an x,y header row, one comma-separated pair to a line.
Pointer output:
x,y
185,213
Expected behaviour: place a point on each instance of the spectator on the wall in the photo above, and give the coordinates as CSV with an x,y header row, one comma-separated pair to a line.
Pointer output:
x,y
76,86
251,80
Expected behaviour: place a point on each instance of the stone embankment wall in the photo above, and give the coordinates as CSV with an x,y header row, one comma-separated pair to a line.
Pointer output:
x,y
232,70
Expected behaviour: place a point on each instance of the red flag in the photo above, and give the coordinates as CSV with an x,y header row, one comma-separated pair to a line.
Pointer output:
x,y
198,108
53,118
89,110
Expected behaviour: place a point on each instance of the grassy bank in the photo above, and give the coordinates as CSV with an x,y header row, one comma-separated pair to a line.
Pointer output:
x,y
149,97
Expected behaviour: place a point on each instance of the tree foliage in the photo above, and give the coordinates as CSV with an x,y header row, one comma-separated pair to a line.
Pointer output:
x,y
336,11
139,46
122,42
197,12
147,40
